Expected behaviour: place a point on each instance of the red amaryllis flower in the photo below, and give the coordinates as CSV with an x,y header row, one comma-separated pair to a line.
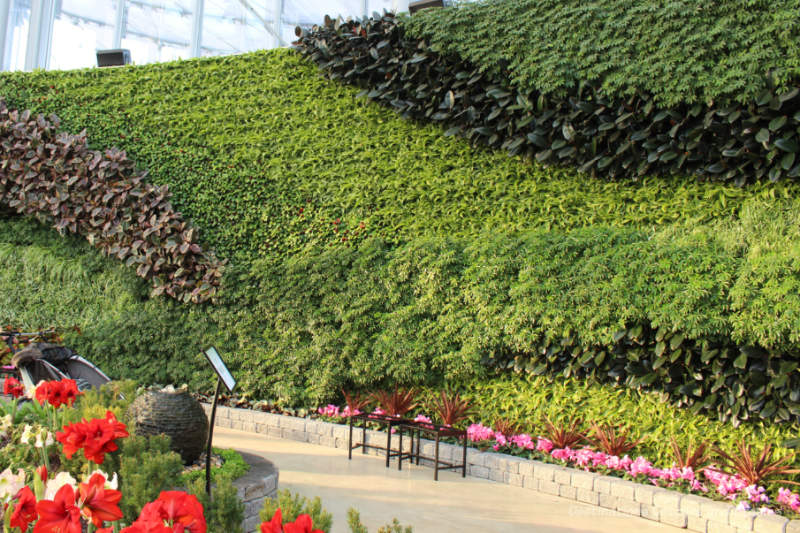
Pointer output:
x,y
97,437
301,525
275,525
41,471
101,437
72,437
171,512
25,510
59,515
13,387
98,503
57,393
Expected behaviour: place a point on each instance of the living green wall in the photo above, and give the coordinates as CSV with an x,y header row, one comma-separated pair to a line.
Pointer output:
x,y
246,142
46,279
678,51
367,250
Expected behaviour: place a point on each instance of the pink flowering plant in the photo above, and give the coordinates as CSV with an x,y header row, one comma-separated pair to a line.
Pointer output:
x,y
745,480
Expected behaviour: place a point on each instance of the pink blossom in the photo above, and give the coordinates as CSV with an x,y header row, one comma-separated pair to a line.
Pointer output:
x,y
599,459
500,438
479,432
697,486
615,463
641,466
564,454
743,506
543,445
523,441
788,498
728,486
756,494
329,411
422,418
765,510
584,456
346,411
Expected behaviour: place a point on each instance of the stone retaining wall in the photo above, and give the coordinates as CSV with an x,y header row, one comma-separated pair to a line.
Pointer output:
x,y
260,483
691,512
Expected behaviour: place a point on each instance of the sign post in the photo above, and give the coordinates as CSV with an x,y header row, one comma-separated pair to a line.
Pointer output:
x,y
223,376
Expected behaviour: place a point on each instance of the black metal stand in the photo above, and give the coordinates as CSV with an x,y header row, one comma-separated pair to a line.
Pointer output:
x,y
387,421
210,435
437,432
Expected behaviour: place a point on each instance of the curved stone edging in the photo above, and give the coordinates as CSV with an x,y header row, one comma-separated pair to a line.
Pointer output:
x,y
694,513
260,483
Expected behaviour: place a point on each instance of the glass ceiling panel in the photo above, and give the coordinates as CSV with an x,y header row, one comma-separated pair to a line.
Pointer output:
x,y
161,30
158,30
231,26
17,34
80,28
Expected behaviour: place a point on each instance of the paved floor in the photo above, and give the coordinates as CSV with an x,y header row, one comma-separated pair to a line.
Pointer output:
x,y
452,504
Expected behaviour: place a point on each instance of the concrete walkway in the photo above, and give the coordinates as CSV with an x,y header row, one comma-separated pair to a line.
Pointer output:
x,y
452,504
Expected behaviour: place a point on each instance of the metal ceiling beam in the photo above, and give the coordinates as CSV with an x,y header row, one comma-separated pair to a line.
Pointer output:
x,y
197,28
40,34
5,9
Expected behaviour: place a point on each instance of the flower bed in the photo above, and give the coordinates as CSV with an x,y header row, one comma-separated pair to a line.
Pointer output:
x,y
737,480
539,472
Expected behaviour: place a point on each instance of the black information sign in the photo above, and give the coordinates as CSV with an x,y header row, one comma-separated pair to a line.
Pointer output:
x,y
223,376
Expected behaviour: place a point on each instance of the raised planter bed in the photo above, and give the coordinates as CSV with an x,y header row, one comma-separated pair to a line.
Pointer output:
x,y
260,483
688,511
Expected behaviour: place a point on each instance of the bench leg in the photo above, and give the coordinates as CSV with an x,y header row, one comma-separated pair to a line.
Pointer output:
x,y
388,443
400,452
364,438
436,460
350,441
464,459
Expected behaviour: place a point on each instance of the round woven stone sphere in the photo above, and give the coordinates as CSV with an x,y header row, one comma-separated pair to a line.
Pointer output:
x,y
175,414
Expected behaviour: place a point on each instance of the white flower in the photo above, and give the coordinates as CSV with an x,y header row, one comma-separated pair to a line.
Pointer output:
x,y
48,439
61,479
10,483
766,510
5,424
27,434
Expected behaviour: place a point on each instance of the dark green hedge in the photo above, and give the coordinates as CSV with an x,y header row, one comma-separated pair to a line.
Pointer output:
x,y
45,278
662,311
247,142
681,51
585,126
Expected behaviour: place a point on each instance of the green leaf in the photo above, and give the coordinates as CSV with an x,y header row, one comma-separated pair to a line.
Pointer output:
x,y
763,135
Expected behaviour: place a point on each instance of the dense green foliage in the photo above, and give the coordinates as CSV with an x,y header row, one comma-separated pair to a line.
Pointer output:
x,y
527,400
233,466
75,284
586,128
53,280
293,505
466,261
54,176
679,51
247,142
224,509
700,312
